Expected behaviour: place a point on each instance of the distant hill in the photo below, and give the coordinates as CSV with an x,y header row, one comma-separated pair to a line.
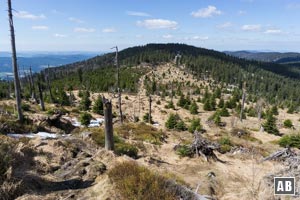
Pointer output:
x,y
39,61
282,58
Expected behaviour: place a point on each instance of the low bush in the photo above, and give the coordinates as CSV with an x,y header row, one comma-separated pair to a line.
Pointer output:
x,y
136,182
290,141
184,151
288,123
85,119
25,107
225,144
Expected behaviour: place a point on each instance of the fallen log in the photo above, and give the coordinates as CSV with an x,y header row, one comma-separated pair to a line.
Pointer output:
x,y
281,155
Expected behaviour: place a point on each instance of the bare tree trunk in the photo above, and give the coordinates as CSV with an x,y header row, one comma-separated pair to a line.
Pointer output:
x,y
150,110
118,85
41,96
14,63
33,94
243,102
49,85
109,137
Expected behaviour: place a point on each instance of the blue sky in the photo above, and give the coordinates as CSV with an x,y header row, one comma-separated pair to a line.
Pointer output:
x,y
97,25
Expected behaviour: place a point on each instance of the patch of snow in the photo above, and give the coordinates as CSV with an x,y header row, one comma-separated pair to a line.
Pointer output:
x,y
42,135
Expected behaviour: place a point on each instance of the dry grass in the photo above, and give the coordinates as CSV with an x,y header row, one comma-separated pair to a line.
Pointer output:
x,y
141,132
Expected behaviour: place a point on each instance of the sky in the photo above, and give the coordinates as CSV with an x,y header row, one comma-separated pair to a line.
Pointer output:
x,y
98,25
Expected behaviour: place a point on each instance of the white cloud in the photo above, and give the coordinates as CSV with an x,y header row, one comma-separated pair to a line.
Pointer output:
x,y
73,19
200,38
158,24
210,11
109,30
138,14
42,28
273,31
60,35
225,25
251,27
84,30
196,37
292,6
27,15
242,12
167,36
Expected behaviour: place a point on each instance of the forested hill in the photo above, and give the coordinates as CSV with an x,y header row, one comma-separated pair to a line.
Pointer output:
x,y
274,81
155,53
275,57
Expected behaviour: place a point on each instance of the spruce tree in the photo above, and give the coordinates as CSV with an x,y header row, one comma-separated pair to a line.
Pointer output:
x,y
98,106
270,124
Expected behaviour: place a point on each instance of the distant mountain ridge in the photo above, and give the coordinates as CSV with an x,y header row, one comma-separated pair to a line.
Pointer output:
x,y
40,60
277,57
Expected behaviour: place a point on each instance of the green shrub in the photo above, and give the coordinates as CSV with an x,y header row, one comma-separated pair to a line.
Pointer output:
x,y
122,148
195,125
25,107
85,119
85,102
194,108
270,125
225,144
137,182
224,112
6,158
184,151
290,141
170,105
98,106
172,121
180,126
288,123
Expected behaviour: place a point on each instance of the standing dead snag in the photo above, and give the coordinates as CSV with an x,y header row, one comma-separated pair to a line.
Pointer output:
x,y
41,94
33,94
243,101
109,137
118,85
14,63
47,79
150,110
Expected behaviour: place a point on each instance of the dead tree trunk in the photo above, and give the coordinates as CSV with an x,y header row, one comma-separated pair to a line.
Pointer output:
x,y
14,63
109,137
243,102
41,96
118,85
49,85
33,94
150,110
